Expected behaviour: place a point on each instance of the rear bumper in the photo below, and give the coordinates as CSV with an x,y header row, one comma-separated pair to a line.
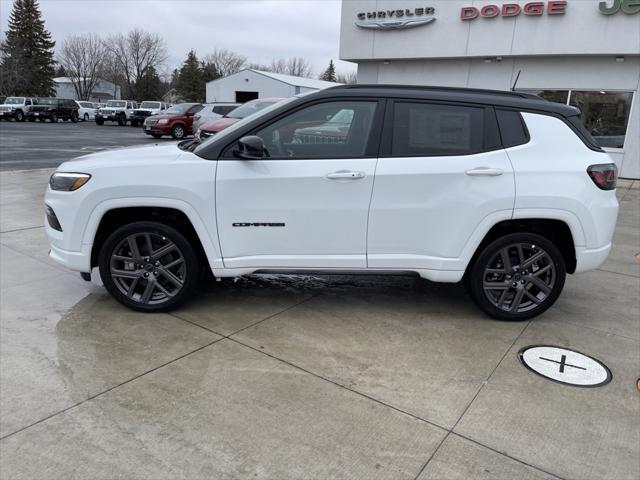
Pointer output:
x,y
591,258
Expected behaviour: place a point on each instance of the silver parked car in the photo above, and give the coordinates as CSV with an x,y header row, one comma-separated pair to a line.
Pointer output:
x,y
211,111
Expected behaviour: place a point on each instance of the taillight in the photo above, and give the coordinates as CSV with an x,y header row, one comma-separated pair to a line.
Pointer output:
x,y
605,176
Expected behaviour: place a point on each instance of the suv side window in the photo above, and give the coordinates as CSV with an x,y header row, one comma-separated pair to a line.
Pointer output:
x,y
223,109
426,129
512,128
336,129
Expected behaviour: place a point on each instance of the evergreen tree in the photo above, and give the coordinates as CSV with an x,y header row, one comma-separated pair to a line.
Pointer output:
x,y
27,65
190,84
329,75
150,87
209,72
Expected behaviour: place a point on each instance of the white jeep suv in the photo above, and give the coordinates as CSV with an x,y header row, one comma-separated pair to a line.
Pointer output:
x,y
120,111
504,191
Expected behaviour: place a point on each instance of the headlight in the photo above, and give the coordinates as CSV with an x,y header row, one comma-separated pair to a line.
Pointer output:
x,y
68,182
163,121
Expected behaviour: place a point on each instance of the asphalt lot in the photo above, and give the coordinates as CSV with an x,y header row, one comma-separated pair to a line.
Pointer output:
x,y
305,377
27,145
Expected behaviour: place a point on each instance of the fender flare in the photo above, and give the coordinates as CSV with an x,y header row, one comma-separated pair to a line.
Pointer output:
x,y
211,249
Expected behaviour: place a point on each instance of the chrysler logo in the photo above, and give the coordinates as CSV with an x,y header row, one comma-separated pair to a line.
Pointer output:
x,y
395,19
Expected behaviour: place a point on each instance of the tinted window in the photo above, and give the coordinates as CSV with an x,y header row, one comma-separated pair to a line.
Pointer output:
x,y
196,108
512,128
223,109
422,129
313,133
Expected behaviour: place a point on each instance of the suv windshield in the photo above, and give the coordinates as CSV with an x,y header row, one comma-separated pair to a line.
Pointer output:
x,y
178,109
46,101
249,109
150,105
14,101
116,103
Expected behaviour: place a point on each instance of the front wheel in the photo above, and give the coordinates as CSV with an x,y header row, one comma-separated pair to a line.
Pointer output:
x,y
135,123
517,277
122,120
149,266
53,118
178,132
99,121
74,117
19,116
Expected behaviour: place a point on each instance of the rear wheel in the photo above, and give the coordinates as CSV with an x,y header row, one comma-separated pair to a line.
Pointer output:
x,y
100,121
517,276
135,123
19,116
53,118
31,119
74,117
149,266
85,117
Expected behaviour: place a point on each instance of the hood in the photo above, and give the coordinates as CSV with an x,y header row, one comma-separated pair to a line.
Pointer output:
x,y
122,158
220,124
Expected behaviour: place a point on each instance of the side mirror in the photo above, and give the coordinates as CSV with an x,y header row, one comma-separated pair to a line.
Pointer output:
x,y
251,148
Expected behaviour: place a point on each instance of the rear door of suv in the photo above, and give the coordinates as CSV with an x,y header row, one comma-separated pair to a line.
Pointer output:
x,y
442,173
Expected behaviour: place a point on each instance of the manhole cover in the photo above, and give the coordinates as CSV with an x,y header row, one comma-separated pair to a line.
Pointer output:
x,y
566,366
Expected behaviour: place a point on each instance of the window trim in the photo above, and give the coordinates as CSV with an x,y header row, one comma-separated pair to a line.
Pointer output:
x,y
371,149
490,122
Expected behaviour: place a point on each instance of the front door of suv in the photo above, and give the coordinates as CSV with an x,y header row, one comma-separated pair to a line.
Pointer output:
x,y
442,173
304,205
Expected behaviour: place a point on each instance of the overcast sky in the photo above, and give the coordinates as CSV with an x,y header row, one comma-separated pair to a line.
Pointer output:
x,y
258,29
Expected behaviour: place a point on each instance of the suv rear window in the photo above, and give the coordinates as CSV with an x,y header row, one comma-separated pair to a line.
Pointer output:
x,y
512,128
424,129
576,123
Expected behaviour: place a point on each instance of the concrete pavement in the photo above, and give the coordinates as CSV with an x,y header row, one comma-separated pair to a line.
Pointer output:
x,y
306,377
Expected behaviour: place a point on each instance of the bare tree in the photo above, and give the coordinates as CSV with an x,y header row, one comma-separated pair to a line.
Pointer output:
x,y
347,78
83,59
296,66
299,67
134,53
225,62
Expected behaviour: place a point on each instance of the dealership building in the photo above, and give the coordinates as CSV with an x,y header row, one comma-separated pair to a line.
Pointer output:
x,y
581,52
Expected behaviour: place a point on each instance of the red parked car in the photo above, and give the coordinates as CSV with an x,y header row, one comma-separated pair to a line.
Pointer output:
x,y
235,115
175,121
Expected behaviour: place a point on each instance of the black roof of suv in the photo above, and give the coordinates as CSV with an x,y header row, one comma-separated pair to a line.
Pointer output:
x,y
519,100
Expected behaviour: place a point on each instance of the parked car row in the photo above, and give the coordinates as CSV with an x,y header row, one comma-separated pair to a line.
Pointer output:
x,y
158,118
46,108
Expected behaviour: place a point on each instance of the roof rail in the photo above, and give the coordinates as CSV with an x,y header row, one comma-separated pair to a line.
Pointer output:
x,y
482,91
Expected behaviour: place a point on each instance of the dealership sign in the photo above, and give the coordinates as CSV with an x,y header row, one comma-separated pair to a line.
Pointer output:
x,y
630,7
396,19
514,9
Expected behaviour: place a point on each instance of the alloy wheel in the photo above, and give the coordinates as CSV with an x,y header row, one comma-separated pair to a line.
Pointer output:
x,y
148,268
519,278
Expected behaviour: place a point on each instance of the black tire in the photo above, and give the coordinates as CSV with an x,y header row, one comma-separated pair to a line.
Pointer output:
x,y
74,117
156,135
135,123
31,119
53,118
178,131
19,116
188,271
42,119
122,119
496,285
85,117
100,121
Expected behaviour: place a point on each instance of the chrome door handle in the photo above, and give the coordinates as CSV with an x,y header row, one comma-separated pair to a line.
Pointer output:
x,y
345,175
484,172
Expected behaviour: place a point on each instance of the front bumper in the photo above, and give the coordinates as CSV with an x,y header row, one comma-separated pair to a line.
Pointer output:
x,y
7,114
76,261
158,129
111,118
